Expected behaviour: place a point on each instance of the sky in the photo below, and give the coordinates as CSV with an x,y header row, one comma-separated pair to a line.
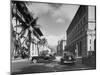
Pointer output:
x,y
54,19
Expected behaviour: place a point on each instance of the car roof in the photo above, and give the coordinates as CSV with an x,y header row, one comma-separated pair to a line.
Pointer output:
x,y
68,53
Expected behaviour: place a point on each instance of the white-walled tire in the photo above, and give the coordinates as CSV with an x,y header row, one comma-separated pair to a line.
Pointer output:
x,y
34,61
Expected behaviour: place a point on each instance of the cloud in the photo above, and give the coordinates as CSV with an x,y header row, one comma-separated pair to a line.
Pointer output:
x,y
38,9
66,11
55,10
60,20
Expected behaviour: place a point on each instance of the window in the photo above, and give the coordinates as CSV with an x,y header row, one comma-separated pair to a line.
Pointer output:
x,y
90,41
90,48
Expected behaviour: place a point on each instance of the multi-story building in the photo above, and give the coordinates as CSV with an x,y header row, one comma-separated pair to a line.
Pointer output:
x,y
34,46
81,33
61,47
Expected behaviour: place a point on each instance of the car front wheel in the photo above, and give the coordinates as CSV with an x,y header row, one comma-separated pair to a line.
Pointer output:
x,y
62,61
34,61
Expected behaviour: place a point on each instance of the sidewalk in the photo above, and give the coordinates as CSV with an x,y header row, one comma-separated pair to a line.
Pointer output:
x,y
19,60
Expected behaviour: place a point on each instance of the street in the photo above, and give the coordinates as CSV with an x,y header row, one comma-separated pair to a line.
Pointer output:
x,y
56,34
23,66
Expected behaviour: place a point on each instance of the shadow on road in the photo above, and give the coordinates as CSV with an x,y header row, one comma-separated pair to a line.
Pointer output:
x,y
49,66
34,69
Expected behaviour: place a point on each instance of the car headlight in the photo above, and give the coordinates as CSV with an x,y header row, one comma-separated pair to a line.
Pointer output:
x,y
70,58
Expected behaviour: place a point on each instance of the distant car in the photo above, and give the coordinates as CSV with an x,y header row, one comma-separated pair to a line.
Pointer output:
x,y
68,58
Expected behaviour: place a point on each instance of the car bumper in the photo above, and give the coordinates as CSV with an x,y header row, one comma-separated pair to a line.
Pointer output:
x,y
68,62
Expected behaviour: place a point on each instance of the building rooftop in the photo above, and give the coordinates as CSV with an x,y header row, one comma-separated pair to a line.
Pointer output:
x,y
78,15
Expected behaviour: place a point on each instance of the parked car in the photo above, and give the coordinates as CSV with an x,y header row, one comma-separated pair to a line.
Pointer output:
x,y
48,57
36,59
68,58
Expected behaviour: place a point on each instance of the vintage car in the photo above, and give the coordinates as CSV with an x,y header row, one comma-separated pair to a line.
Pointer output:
x,y
36,59
68,58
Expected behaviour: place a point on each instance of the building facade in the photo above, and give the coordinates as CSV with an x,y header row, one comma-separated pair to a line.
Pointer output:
x,y
81,33
61,47
34,46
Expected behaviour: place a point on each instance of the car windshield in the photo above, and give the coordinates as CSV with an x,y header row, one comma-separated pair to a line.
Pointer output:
x,y
68,54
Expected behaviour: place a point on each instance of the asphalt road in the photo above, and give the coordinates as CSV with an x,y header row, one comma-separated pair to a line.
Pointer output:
x,y
25,67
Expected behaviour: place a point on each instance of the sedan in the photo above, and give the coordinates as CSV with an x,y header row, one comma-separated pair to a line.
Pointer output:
x,y
68,58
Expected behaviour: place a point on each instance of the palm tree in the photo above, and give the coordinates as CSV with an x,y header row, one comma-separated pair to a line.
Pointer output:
x,y
15,43
42,43
27,23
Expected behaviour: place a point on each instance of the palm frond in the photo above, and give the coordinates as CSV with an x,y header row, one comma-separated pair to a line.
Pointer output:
x,y
37,26
24,41
18,26
19,18
34,22
35,34
22,33
24,12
